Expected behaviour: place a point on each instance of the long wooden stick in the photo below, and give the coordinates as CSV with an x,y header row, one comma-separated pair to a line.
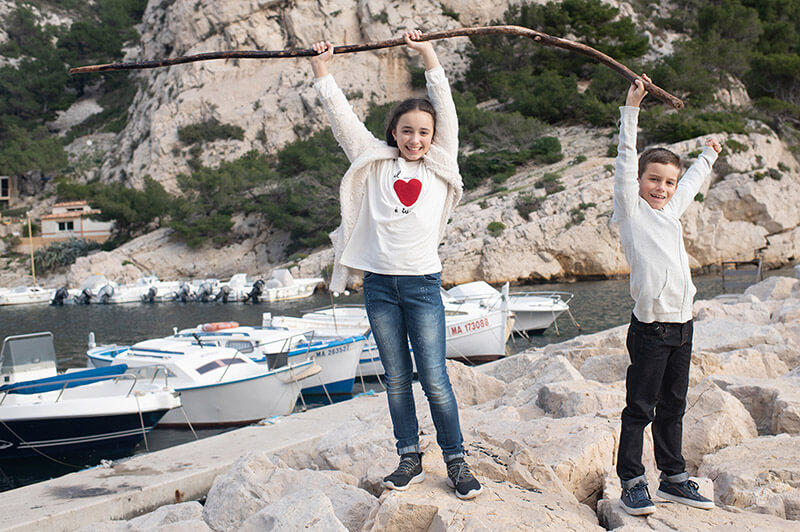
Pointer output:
x,y
536,36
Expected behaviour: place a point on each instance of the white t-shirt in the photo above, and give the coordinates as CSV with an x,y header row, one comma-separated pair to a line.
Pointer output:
x,y
397,232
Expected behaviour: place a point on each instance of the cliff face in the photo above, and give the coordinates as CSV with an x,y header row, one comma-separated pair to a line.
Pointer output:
x,y
271,100
749,208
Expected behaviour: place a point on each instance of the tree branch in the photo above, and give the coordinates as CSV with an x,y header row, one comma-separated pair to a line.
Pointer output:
x,y
539,37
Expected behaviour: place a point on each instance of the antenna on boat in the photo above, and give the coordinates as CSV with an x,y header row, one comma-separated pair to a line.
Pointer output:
x,y
30,245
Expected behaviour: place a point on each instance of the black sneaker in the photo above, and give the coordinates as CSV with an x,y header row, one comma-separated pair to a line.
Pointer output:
x,y
636,500
461,479
408,472
684,493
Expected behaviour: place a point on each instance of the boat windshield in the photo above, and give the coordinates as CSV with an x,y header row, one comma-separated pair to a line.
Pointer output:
x,y
27,349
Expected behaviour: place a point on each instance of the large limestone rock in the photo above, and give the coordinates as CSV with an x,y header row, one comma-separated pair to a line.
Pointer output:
x,y
758,362
575,398
714,420
773,288
774,404
718,335
606,368
759,475
502,506
473,387
673,516
254,481
578,449
305,509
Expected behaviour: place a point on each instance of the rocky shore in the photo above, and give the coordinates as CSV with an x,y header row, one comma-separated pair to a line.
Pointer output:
x,y
541,429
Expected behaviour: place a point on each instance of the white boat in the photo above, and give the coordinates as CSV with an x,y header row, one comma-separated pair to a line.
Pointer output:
x,y
219,386
281,286
473,334
336,356
533,312
76,412
25,295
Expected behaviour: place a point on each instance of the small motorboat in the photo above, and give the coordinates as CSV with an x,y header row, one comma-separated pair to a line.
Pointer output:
x,y
337,356
78,412
25,295
473,334
533,312
219,386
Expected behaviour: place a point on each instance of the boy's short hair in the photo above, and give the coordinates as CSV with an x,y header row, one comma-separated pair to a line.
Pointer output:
x,y
657,155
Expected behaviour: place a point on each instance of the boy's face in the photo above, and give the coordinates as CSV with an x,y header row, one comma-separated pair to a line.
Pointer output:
x,y
658,183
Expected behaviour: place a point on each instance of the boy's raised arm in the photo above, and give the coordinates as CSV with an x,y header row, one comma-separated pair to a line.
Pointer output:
x,y
626,187
695,176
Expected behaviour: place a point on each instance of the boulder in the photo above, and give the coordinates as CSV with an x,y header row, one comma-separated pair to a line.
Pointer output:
x,y
748,309
674,516
471,386
305,509
756,362
541,370
759,475
529,364
774,404
575,398
503,505
714,419
606,368
578,449
254,481
717,335
773,288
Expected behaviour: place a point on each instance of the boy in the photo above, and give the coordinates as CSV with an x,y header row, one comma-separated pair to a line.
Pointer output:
x,y
647,208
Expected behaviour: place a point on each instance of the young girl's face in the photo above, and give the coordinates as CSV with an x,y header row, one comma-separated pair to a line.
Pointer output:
x,y
413,134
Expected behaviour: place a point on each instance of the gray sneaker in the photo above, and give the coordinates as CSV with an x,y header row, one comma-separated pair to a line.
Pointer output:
x,y
636,500
685,493
460,478
408,472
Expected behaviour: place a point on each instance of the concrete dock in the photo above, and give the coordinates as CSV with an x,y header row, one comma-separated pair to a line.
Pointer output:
x,y
140,484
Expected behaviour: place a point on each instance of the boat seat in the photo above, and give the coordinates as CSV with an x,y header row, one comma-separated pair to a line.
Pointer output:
x,y
65,380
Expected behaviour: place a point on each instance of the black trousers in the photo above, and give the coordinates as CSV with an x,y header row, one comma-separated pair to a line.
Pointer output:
x,y
656,386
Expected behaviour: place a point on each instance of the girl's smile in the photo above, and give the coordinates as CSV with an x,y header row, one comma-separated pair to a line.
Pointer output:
x,y
413,134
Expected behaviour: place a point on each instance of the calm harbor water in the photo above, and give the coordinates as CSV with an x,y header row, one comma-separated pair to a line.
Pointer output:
x,y
597,305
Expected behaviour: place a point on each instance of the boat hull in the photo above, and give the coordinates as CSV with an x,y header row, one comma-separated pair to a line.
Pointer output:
x,y
61,437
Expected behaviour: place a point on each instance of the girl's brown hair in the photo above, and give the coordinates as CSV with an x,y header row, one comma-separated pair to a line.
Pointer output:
x,y
412,104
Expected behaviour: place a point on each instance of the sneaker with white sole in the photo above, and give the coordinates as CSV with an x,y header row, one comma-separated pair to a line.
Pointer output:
x,y
685,493
460,478
408,472
636,500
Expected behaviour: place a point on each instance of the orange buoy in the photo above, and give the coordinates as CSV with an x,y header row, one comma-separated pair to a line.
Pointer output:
x,y
218,326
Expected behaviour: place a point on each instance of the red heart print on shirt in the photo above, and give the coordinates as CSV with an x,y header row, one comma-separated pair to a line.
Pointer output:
x,y
407,191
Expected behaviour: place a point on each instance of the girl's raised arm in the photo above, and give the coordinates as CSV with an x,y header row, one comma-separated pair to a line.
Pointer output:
x,y
446,134
349,130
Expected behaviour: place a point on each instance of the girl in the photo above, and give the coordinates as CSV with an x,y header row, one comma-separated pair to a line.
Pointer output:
x,y
395,199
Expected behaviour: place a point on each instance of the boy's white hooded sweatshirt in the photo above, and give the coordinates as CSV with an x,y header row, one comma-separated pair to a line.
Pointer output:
x,y
652,239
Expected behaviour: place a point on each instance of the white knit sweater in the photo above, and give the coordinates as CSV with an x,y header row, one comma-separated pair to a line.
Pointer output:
x,y
652,239
363,149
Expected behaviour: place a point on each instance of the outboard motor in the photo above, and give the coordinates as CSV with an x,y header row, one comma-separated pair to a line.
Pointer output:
x,y
223,294
105,293
255,293
85,297
184,293
59,297
204,293
150,296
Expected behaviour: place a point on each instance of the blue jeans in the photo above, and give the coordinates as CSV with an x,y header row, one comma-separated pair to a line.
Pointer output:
x,y
409,307
656,385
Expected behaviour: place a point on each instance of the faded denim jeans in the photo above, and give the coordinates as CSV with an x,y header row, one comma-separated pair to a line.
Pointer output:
x,y
409,307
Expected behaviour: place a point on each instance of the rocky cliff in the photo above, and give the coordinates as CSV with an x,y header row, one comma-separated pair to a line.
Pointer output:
x,y
749,209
